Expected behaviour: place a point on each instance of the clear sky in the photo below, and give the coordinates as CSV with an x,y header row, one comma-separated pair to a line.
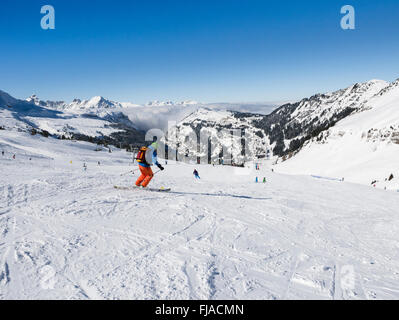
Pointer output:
x,y
206,50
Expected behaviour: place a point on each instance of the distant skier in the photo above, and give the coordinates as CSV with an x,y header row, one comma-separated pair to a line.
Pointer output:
x,y
2,153
196,174
13,156
147,157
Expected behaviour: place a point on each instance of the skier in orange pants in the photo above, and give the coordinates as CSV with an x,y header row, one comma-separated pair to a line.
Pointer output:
x,y
146,157
146,176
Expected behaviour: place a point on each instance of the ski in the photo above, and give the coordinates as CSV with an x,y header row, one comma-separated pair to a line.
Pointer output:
x,y
157,190
143,189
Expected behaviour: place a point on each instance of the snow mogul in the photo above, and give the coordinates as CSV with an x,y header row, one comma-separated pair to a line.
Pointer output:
x,y
146,157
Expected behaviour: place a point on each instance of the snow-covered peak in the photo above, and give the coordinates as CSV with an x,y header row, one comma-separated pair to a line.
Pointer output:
x,y
378,82
324,106
371,87
392,86
96,100
96,103
33,99
100,102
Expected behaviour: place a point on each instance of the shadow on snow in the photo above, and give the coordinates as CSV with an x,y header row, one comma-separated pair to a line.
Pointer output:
x,y
217,195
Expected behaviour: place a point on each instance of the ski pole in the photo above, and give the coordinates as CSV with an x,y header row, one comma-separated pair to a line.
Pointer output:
x,y
131,171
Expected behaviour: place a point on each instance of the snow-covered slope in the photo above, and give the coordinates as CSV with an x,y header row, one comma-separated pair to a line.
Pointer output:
x,y
364,113
323,107
350,133
205,133
284,130
97,120
363,147
66,233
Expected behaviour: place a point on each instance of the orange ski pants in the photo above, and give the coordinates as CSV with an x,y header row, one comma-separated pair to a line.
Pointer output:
x,y
146,176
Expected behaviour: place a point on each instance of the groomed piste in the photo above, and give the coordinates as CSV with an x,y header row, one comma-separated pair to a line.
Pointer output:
x,y
66,233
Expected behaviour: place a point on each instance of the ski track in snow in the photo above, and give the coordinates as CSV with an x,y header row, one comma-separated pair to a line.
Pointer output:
x,y
68,234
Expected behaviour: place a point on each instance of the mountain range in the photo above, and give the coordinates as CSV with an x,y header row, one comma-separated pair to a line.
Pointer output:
x,y
340,134
350,134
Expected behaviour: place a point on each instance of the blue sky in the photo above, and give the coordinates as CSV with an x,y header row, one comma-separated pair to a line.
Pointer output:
x,y
211,51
